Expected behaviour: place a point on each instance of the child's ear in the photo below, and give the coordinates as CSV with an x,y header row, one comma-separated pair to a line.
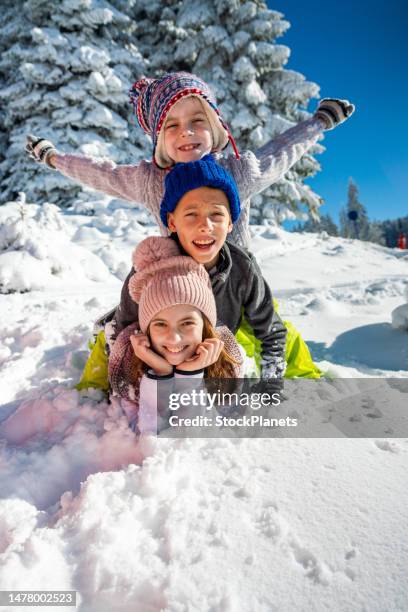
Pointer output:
x,y
170,222
230,226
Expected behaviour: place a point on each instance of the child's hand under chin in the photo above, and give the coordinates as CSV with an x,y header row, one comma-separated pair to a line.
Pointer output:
x,y
207,353
141,348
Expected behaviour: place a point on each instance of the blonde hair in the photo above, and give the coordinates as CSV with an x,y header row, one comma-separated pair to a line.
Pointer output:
x,y
219,135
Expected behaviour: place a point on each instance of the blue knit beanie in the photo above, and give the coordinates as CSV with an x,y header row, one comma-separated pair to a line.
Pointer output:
x,y
205,172
152,100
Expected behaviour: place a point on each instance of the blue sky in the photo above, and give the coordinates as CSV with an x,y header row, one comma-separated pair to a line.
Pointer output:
x,y
359,51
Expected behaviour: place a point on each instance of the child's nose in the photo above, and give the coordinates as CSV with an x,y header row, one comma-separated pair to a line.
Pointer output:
x,y
188,128
205,223
173,335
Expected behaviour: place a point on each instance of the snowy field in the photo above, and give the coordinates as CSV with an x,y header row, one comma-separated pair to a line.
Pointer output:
x,y
205,525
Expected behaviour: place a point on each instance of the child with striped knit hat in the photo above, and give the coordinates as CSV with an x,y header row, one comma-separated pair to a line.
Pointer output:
x,y
180,114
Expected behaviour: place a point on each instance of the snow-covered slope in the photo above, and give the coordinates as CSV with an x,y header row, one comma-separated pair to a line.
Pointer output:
x,y
192,525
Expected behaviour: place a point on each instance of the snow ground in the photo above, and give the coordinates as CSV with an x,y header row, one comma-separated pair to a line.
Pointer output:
x,y
220,525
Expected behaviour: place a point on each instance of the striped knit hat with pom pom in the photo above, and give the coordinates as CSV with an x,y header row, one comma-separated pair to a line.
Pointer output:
x,y
165,278
152,100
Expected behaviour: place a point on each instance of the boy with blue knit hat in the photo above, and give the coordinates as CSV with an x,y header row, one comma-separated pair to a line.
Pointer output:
x,y
200,205
193,176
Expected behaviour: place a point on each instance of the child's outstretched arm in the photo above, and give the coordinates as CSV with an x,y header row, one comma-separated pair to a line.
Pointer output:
x,y
128,182
255,171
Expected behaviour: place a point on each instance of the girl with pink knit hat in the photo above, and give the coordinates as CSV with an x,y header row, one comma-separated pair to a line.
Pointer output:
x,y
176,335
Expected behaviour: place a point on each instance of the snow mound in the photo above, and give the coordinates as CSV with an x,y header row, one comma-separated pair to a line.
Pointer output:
x,y
37,250
53,441
400,317
326,306
400,314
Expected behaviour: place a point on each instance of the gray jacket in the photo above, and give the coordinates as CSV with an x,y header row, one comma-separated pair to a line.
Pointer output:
x,y
240,291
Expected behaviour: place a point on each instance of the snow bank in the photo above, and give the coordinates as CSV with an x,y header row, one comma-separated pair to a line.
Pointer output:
x,y
37,251
195,527
52,442
178,524
400,315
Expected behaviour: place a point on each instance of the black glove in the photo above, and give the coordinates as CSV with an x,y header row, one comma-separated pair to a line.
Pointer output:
x,y
40,149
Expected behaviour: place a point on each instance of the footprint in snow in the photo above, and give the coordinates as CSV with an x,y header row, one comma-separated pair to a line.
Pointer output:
x,y
349,556
315,570
271,524
367,403
387,445
375,413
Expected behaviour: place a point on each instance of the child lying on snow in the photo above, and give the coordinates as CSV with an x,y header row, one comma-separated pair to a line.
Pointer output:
x,y
180,114
200,205
176,335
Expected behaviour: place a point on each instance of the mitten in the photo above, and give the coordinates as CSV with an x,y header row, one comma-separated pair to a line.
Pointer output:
x,y
40,149
333,111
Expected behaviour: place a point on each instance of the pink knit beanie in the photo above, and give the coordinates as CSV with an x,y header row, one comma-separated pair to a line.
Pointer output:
x,y
165,278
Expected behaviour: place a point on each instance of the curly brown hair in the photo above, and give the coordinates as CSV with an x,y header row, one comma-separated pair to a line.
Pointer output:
x,y
224,367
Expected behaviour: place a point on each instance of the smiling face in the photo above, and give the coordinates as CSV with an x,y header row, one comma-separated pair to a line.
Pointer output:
x,y
187,131
202,222
175,332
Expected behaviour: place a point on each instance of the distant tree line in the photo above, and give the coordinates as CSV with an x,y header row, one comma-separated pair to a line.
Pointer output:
x,y
355,223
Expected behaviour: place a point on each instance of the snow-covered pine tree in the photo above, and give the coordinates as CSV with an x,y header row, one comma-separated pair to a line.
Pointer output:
x,y
354,221
392,228
64,75
376,233
66,69
325,223
231,44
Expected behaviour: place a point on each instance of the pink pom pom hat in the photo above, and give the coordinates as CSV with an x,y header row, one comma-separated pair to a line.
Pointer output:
x,y
165,278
